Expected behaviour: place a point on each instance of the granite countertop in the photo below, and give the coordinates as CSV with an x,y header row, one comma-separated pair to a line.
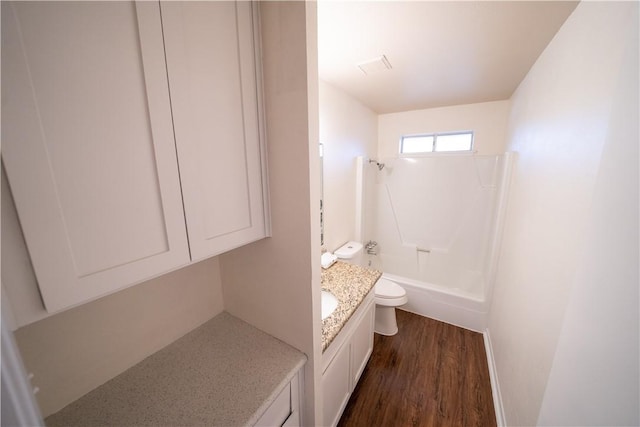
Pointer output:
x,y
350,284
223,373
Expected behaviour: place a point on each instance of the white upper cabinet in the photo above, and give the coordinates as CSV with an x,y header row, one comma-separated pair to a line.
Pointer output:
x,y
88,138
212,72
88,145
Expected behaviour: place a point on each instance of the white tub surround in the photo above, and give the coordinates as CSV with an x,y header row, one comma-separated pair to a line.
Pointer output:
x,y
225,372
438,223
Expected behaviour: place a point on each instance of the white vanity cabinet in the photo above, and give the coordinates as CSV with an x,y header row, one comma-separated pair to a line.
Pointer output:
x,y
93,112
345,359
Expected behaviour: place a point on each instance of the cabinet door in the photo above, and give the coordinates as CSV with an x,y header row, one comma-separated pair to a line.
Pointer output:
x,y
336,386
88,145
213,83
279,410
362,344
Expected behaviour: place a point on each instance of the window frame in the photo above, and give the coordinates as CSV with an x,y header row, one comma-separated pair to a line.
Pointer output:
x,y
435,136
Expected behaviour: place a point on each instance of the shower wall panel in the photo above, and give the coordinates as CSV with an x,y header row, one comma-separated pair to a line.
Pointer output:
x,y
433,217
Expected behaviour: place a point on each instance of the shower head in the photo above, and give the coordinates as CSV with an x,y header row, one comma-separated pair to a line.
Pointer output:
x,y
380,165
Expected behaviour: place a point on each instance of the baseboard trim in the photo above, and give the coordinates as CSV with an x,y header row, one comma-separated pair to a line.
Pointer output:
x,y
493,375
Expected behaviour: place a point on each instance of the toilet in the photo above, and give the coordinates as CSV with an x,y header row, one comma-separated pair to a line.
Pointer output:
x,y
388,294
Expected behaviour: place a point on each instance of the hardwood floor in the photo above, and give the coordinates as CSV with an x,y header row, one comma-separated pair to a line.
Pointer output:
x,y
429,374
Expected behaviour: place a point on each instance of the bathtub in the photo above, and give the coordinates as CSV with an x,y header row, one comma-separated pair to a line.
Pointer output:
x,y
455,306
461,301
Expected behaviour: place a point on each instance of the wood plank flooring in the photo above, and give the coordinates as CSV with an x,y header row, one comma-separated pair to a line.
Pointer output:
x,y
429,374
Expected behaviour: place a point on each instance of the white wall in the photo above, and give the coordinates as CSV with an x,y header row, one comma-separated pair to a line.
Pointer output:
x,y
560,124
488,120
347,130
595,375
274,284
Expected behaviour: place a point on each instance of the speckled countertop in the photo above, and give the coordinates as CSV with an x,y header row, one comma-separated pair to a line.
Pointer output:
x,y
350,284
223,373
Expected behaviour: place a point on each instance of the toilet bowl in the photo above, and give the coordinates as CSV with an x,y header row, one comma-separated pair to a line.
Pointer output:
x,y
388,296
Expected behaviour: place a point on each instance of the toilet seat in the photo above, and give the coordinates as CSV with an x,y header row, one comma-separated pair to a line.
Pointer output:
x,y
389,293
385,288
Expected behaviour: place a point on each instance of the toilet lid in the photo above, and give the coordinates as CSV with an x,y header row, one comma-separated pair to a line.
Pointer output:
x,y
387,289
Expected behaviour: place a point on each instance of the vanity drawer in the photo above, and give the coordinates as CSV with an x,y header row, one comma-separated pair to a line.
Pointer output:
x,y
279,411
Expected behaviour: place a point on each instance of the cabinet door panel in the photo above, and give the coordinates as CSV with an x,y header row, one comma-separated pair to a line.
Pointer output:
x,y
336,387
279,410
362,344
88,145
212,76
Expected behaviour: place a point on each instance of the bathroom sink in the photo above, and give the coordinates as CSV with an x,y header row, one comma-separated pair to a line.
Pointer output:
x,y
329,304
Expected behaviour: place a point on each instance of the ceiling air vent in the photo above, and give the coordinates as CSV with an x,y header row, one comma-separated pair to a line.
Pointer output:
x,y
375,65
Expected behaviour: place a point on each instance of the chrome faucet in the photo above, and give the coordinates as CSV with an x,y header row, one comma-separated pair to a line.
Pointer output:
x,y
371,247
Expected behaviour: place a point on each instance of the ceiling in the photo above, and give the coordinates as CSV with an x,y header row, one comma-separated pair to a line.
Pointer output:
x,y
441,52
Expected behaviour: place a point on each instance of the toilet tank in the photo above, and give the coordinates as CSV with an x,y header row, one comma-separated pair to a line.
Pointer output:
x,y
350,252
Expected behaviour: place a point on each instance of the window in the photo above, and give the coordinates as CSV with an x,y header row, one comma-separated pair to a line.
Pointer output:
x,y
436,143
